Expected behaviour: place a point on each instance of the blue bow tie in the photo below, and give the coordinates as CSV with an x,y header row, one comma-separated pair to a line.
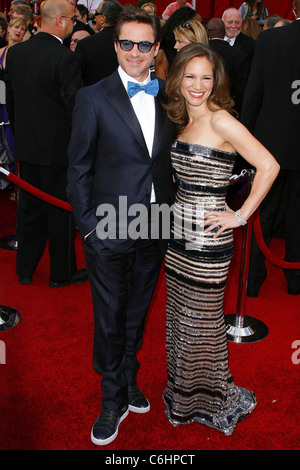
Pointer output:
x,y
151,88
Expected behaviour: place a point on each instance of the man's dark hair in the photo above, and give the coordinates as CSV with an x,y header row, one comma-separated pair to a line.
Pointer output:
x,y
110,9
137,15
83,10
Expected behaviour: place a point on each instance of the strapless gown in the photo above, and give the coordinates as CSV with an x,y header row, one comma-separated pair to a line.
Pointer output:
x,y
200,386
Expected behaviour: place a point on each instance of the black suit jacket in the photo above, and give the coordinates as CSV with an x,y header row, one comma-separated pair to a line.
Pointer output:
x,y
109,157
247,45
97,56
236,67
44,77
270,108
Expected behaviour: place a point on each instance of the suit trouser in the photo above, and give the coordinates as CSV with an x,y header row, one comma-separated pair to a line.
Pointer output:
x,y
285,193
122,286
38,221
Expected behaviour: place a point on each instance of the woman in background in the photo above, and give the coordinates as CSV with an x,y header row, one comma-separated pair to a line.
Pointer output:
x,y
16,30
166,53
149,7
251,28
188,33
254,9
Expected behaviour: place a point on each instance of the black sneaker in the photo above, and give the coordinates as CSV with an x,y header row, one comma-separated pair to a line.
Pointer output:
x,y
137,401
105,429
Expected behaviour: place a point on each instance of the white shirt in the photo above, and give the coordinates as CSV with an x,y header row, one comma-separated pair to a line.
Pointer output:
x,y
91,5
60,39
144,107
230,40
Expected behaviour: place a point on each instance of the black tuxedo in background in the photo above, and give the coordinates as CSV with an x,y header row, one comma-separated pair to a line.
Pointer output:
x,y
108,159
271,111
97,56
44,77
247,44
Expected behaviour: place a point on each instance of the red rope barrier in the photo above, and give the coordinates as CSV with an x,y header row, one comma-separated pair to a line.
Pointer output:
x,y
38,193
264,249
67,206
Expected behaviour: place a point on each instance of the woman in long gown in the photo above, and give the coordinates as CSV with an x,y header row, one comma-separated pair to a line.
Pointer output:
x,y
200,386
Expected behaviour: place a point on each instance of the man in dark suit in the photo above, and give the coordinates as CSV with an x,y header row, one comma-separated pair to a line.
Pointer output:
x,y
271,111
97,54
235,60
44,78
120,160
233,22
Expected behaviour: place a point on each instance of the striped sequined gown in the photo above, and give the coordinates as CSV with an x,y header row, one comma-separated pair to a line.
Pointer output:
x,y
200,386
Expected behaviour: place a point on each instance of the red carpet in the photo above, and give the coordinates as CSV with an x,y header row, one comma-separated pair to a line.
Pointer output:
x,y
50,395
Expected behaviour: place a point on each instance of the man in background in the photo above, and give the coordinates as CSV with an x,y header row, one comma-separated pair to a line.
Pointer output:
x,y
233,22
44,77
97,54
271,111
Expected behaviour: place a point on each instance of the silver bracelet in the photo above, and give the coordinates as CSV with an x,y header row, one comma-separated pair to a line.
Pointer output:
x,y
240,218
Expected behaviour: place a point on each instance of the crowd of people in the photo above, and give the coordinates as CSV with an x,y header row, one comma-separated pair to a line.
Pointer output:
x,y
94,126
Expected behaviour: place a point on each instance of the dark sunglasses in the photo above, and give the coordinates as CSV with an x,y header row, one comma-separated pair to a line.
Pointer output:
x,y
187,25
143,46
72,18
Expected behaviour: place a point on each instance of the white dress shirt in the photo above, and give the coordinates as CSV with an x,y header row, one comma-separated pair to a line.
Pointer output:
x,y
230,40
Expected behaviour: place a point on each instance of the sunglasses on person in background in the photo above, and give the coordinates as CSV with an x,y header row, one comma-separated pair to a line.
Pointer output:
x,y
143,46
187,25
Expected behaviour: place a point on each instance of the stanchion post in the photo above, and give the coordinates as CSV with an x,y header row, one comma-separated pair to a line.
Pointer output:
x,y
9,242
242,328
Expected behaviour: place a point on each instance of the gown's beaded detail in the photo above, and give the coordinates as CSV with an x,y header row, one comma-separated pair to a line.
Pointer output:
x,y
200,386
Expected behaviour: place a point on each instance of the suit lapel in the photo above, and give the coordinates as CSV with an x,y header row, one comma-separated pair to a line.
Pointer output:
x,y
121,102
160,123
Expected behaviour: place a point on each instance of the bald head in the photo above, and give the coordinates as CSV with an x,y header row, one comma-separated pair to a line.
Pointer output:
x,y
230,12
53,8
215,28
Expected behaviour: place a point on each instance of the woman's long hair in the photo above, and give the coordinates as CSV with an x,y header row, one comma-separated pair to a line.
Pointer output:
x,y
260,7
219,97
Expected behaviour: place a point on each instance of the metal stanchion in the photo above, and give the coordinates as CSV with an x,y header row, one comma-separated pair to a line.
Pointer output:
x,y
8,315
9,242
240,327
